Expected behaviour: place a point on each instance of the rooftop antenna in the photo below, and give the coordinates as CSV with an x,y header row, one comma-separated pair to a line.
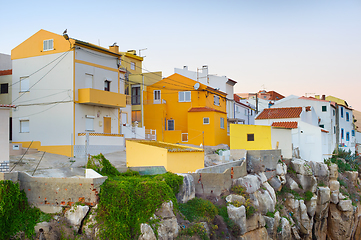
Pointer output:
x,y
309,94
142,50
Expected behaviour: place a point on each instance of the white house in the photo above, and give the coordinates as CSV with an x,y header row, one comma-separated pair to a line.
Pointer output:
x,y
243,112
346,134
69,95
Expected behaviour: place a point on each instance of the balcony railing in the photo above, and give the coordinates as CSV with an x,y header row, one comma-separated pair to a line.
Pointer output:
x,y
97,97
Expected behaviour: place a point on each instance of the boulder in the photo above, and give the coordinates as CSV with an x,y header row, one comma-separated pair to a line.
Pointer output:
x,y
334,189
75,215
259,234
281,169
339,223
292,184
341,196
333,171
275,183
295,234
311,206
146,232
292,203
321,211
43,228
305,222
238,215
255,222
301,167
323,195
262,177
187,190
265,202
89,228
250,182
320,229
345,206
319,169
282,178
270,190
166,210
270,225
352,176
206,227
235,198
308,183
168,227
285,233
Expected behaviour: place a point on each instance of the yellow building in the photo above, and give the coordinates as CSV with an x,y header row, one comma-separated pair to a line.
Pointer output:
x,y
175,158
250,137
185,111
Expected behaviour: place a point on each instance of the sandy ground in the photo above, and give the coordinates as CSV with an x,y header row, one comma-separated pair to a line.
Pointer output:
x,y
54,165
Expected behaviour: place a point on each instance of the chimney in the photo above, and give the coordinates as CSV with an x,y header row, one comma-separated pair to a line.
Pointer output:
x,y
132,52
114,48
185,67
205,69
323,97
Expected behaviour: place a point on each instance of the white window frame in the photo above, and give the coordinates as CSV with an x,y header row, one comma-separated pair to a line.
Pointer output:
x,y
182,96
157,96
24,125
132,65
206,122
222,123
24,84
48,45
89,123
216,100
170,120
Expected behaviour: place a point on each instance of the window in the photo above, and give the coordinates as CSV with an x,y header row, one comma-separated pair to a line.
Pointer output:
x,y
48,45
24,84
342,112
347,136
89,123
342,133
136,116
136,95
206,120
216,100
171,125
222,123
251,112
333,112
334,129
107,85
156,95
4,88
250,137
24,126
184,96
324,108
353,133
132,65
322,125
347,117
184,137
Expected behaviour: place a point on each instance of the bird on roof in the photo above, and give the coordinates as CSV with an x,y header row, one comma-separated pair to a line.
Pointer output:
x,y
65,31
114,44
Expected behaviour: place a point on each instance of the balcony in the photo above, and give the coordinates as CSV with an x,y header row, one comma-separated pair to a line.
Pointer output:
x,y
102,98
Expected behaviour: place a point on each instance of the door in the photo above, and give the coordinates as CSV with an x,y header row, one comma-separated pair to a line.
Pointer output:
x,y
107,124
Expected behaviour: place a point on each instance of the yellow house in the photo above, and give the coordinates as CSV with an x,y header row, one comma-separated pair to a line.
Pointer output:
x,y
185,111
250,137
175,158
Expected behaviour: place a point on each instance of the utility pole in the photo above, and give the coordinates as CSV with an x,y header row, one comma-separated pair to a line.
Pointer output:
x,y
203,140
337,123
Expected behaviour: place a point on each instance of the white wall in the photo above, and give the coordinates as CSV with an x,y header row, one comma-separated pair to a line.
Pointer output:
x,y
5,62
284,138
243,112
4,134
347,126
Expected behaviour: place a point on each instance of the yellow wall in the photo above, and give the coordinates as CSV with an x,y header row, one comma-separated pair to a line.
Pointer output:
x,y
127,58
142,154
65,150
262,137
336,100
156,114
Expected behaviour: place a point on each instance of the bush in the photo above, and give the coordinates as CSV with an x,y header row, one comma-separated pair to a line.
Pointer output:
x,y
196,229
198,209
350,163
308,195
231,225
238,189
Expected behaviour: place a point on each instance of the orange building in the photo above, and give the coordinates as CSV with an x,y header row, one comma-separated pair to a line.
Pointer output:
x,y
185,111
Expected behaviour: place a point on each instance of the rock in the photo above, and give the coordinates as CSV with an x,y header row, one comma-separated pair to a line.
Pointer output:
x,y
292,184
235,198
352,176
43,228
166,210
339,223
321,211
88,228
168,227
255,222
281,169
238,215
205,225
295,233
259,234
301,167
320,229
345,205
282,178
341,196
285,233
323,195
308,183
265,201
305,222
250,182
275,183
319,169
270,190
187,190
333,171
76,214
311,206
146,232
292,203
270,225
334,189
262,177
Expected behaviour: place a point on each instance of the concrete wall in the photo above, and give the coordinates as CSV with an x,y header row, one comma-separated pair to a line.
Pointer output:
x,y
263,160
52,193
283,137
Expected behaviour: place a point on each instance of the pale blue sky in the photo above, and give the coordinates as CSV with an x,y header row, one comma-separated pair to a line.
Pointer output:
x,y
289,46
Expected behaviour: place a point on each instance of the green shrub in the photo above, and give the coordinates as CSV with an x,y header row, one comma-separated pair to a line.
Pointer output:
x,y
231,225
198,209
350,163
195,229
270,214
238,189
102,165
15,213
308,195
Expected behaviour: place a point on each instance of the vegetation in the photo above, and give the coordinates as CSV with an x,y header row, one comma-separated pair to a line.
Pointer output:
x,y
198,209
128,199
231,225
349,163
15,213
195,229
308,195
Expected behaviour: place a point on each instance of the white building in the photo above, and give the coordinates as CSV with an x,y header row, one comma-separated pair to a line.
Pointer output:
x,y
4,137
346,133
243,112
68,94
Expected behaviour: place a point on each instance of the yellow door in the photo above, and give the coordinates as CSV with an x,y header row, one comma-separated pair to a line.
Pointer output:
x,y
107,124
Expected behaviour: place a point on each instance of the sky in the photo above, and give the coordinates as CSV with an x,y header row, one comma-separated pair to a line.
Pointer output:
x,y
299,47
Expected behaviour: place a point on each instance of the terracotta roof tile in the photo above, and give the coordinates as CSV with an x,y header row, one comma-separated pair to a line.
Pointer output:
x,y
323,130
285,124
272,113
7,106
204,109
6,72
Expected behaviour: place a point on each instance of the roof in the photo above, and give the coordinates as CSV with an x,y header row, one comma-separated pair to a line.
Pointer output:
x,y
313,99
323,130
7,106
86,44
237,99
204,109
272,113
285,124
231,82
6,72
169,146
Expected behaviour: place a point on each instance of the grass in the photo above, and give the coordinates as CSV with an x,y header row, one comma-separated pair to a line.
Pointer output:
x,y
198,209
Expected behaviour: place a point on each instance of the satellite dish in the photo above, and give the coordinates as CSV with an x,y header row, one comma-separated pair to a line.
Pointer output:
x,y
196,86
